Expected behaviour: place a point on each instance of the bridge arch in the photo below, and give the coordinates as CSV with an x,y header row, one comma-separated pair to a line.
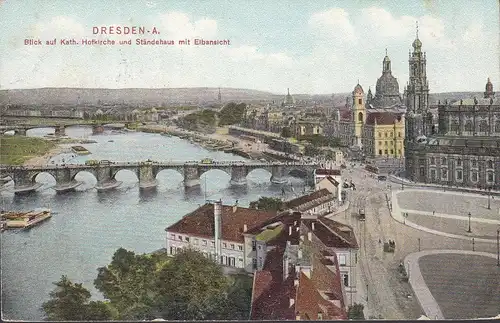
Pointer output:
x,y
126,174
214,175
256,173
85,175
297,171
170,177
203,170
46,177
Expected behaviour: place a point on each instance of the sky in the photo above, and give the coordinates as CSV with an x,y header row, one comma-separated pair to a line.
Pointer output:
x,y
314,47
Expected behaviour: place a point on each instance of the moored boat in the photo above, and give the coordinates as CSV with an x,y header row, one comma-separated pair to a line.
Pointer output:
x,y
24,220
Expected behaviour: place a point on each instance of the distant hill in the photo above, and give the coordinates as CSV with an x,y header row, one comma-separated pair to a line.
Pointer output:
x,y
173,96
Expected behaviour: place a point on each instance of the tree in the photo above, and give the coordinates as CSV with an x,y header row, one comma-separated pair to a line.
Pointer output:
x,y
355,312
232,113
128,282
268,203
70,302
286,132
192,287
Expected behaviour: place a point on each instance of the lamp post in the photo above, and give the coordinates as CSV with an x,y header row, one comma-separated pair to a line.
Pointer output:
x,y
418,244
489,196
469,225
498,247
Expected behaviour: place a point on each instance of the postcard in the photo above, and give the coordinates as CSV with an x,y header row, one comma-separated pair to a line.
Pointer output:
x,y
249,160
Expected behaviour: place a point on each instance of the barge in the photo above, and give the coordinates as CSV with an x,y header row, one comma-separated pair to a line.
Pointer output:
x,y
79,150
24,220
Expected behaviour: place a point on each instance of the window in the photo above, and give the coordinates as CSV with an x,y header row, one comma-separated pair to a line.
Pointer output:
x,y
180,238
232,246
187,239
172,236
392,151
385,151
432,161
444,174
385,143
491,178
422,171
360,117
196,241
172,250
433,174
240,262
213,244
380,151
473,176
360,101
232,262
474,163
342,261
399,152
380,143
459,175
386,135
443,160
380,135
254,245
399,134
345,278
490,164
204,242
240,248
260,262
224,245
260,247
459,162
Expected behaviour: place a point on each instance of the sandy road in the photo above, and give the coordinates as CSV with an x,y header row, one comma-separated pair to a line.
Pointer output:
x,y
381,290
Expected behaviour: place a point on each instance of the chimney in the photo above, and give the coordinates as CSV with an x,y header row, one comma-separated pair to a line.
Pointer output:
x,y
297,316
296,282
217,226
309,236
290,230
235,207
320,316
245,228
312,225
292,302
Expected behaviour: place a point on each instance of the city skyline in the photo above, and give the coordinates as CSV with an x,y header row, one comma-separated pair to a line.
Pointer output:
x,y
317,48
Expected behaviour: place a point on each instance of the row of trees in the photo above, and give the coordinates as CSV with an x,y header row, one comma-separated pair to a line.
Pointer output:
x,y
187,286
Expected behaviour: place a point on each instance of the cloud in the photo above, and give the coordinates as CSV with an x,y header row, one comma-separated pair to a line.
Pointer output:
x,y
343,48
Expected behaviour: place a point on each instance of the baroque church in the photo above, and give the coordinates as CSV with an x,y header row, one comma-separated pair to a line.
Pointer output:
x,y
464,150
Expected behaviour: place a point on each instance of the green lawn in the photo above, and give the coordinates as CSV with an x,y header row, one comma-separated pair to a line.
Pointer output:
x,y
15,150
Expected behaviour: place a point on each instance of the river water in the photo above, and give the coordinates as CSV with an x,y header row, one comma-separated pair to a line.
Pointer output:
x,y
87,227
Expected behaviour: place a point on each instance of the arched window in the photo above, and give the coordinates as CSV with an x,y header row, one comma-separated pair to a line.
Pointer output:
x,y
490,164
360,117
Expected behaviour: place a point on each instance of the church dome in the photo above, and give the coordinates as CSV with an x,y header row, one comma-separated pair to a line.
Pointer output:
x,y
386,58
289,99
387,85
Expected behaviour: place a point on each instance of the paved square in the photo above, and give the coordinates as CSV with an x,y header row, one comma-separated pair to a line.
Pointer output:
x,y
449,203
464,286
454,226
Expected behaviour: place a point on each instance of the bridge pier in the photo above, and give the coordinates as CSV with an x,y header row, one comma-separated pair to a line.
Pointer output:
x,y
64,181
97,129
24,182
191,176
20,132
239,175
278,175
105,179
60,131
147,180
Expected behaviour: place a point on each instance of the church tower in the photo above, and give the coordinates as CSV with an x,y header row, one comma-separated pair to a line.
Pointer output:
x,y
488,94
416,94
359,113
417,90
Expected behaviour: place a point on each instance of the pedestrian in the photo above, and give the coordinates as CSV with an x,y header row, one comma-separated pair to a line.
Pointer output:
x,y
433,212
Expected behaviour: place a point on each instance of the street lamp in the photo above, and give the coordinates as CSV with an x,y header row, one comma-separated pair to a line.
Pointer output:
x,y
469,225
489,195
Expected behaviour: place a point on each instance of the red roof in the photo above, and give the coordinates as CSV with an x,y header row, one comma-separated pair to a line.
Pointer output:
x,y
307,198
345,114
330,233
326,172
200,222
383,118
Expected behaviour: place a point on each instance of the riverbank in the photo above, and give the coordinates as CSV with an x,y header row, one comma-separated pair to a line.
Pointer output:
x,y
19,150
221,140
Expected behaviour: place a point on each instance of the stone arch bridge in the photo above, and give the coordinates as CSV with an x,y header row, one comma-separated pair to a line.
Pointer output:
x,y
59,129
105,172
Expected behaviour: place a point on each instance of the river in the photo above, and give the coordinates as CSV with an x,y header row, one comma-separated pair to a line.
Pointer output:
x,y
87,227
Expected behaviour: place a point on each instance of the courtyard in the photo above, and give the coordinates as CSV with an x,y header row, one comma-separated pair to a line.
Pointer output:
x,y
465,286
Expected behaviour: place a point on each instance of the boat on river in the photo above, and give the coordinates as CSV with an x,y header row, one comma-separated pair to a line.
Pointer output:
x,y
24,220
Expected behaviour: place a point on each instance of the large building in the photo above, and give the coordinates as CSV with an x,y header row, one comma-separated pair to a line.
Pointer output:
x,y
464,150
387,89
